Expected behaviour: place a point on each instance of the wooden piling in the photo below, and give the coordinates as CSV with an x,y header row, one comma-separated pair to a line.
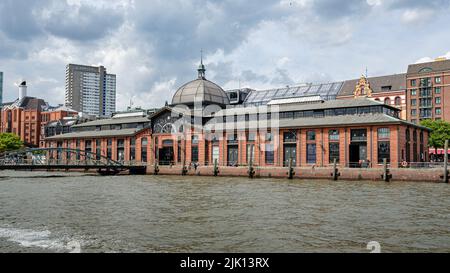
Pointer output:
x,y
156,168
291,172
216,168
445,176
251,169
335,173
386,173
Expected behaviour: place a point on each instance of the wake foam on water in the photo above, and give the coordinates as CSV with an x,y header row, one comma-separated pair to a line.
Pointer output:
x,y
32,238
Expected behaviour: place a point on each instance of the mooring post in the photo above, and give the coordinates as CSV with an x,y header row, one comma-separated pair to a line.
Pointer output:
x,y
291,172
386,175
184,170
216,168
251,170
156,168
445,177
335,173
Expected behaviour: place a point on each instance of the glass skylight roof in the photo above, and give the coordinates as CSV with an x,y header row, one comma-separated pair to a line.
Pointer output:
x,y
328,91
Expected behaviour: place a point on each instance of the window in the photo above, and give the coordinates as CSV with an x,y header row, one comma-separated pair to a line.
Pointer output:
x,y
413,112
132,149
333,135
413,102
387,101
437,90
311,153
269,153
250,152
425,82
413,82
290,137
334,152
319,114
269,136
384,133
195,140
438,111
438,100
386,88
437,80
311,135
144,144
358,135
398,101
413,92
194,154
251,137
384,151
98,149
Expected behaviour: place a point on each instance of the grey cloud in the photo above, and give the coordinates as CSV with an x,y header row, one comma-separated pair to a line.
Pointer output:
x,y
18,20
180,29
250,76
408,4
282,77
334,9
82,23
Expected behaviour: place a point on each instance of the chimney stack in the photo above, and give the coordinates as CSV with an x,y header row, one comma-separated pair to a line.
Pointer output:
x,y
22,90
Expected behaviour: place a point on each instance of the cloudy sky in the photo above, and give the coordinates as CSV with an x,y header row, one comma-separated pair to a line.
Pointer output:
x,y
154,46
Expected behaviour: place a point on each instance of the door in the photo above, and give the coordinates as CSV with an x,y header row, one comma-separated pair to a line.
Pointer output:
x,y
166,156
290,151
215,154
354,155
363,152
233,155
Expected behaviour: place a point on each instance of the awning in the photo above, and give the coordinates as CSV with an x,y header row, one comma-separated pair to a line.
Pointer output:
x,y
433,151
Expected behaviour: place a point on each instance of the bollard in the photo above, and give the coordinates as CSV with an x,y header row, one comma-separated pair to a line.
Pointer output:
x,y
251,170
445,176
386,176
184,170
216,168
336,172
291,171
156,168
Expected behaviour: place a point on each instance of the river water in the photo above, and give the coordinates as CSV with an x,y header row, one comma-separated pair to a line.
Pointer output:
x,y
57,212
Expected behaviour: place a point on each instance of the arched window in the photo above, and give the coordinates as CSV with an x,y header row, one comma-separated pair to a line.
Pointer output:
x,y
398,101
387,101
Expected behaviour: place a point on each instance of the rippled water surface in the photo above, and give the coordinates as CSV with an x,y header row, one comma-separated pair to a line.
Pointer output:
x,y
46,212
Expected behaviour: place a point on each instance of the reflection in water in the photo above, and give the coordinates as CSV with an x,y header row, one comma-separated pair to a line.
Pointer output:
x,y
47,212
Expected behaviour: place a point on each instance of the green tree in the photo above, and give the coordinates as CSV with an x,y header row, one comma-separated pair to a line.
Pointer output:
x,y
440,132
9,142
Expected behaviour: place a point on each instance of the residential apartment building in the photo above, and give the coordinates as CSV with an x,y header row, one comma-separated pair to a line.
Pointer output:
x,y
428,86
90,90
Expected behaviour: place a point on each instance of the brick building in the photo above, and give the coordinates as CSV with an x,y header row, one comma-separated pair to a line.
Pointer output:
x,y
428,86
269,128
26,117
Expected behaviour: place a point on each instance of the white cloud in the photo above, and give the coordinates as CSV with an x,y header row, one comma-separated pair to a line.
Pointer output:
x,y
416,15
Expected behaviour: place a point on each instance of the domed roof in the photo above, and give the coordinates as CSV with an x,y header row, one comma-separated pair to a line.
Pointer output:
x,y
200,90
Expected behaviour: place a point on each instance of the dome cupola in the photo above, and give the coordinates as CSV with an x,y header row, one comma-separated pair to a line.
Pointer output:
x,y
200,91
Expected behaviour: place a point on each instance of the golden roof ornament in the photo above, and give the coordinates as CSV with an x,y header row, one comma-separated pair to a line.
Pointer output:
x,y
362,88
